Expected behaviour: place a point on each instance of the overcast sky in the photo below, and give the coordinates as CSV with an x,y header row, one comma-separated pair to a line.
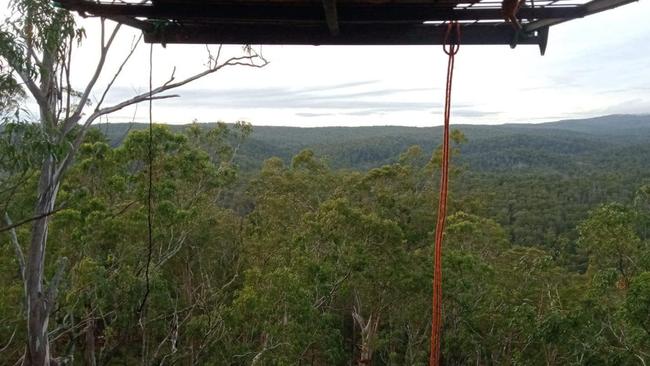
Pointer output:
x,y
593,66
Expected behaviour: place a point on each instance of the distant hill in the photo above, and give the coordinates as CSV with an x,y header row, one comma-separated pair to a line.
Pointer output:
x,y
566,147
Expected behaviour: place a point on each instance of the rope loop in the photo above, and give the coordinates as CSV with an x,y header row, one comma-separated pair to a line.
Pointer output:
x,y
450,47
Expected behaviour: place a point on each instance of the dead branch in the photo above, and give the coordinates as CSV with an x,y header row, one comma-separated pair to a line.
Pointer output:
x,y
8,342
104,47
368,332
265,348
333,290
233,61
134,45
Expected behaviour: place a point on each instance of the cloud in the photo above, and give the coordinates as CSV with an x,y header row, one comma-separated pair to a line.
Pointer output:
x,y
630,106
466,112
340,97
365,112
589,71
306,114
342,85
626,90
120,92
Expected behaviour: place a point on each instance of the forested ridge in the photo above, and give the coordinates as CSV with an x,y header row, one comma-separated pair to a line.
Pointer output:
x,y
290,246
554,146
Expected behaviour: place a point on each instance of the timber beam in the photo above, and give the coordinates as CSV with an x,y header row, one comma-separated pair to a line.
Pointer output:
x,y
331,16
306,13
349,35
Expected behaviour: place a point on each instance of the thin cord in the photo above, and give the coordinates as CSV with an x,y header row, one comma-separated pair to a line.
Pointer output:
x,y
149,187
436,306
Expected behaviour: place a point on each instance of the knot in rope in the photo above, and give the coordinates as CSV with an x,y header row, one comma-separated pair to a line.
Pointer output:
x,y
448,45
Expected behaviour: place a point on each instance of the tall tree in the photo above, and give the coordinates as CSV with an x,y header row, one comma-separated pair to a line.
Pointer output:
x,y
36,47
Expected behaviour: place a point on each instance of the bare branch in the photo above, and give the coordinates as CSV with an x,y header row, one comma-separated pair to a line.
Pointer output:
x,y
9,342
265,349
234,61
332,292
248,60
119,71
172,77
60,87
91,84
67,65
33,218
171,250
138,99
17,249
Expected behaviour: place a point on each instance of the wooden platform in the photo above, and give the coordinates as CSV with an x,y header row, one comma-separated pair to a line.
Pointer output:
x,y
337,22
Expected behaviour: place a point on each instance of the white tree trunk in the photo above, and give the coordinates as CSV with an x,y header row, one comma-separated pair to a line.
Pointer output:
x,y
39,300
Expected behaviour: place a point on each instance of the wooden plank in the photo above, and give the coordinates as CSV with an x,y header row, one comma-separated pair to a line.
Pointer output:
x,y
235,13
349,35
309,2
331,17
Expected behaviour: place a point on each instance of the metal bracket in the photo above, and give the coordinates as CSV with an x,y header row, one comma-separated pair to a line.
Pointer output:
x,y
542,35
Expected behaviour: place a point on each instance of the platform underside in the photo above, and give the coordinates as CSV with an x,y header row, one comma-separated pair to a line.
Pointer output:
x,y
337,22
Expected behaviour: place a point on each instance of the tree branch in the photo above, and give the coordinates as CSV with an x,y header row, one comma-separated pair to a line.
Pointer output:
x,y
32,87
67,65
69,157
119,71
17,248
52,290
9,342
234,61
91,84
33,218
248,60
137,99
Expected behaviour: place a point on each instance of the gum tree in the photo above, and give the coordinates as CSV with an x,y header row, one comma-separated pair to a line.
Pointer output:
x,y
36,49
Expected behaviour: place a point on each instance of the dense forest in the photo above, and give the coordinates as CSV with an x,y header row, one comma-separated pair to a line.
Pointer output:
x,y
288,246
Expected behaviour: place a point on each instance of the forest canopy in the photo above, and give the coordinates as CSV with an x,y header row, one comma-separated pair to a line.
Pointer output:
x,y
296,262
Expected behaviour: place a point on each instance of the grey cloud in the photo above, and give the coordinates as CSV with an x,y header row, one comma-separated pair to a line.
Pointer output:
x,y
287,98
334,97
461,111
632,106
365,112
362,98
606,69
626,90
306,114
473,113
120,93
342,85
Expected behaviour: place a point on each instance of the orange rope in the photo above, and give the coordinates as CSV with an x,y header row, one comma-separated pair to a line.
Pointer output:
x,y
509,9
436,310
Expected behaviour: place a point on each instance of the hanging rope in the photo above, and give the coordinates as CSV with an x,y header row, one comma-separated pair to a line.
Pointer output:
x,y
149,189
509,10
450,48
